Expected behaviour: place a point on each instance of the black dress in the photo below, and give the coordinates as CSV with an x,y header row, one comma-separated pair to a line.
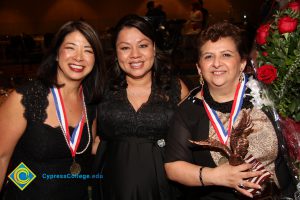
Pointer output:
x,y
133,164
44,151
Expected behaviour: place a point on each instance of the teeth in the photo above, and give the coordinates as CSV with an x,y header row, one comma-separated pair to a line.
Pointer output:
x,y
76,66
218,73
136,64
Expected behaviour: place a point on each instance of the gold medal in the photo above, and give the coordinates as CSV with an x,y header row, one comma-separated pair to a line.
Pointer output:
x,y
75,168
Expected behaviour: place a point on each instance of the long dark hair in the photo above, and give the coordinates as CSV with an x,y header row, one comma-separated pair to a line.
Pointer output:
x,y
93,84
162,66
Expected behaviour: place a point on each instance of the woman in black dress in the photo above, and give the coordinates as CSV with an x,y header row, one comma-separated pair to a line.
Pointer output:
x,y
48,124
220,113
134,116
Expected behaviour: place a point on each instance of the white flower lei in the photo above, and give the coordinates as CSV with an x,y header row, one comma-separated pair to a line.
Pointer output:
x,y
258,94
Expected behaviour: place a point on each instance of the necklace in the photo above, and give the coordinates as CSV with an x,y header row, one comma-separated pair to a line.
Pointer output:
x,y
72,142
88,128
222,133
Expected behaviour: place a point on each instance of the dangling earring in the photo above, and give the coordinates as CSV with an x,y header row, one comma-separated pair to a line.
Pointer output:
x,y
201,80
241,78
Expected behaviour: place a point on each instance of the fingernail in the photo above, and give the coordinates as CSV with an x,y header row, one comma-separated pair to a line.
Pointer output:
x,y
260,187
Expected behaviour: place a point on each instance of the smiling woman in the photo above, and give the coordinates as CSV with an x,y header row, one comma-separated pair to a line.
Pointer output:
x,y
134,115
219,114
49,124
75,57
135,53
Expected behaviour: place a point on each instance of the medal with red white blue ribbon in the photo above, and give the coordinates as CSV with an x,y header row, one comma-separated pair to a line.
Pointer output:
x,y
222,133
74,139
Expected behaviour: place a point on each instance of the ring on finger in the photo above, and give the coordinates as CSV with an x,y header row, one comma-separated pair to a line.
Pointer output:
x,y
241,184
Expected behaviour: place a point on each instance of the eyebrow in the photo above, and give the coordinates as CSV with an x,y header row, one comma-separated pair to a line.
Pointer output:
x,y
147,40
228,50
223,51
86,46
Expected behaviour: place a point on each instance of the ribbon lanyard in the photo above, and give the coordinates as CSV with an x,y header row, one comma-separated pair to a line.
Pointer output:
x,y
74,140
222,134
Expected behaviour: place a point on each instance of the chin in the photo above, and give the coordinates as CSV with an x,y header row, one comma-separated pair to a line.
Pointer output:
x,y
134,76
138,75
218,82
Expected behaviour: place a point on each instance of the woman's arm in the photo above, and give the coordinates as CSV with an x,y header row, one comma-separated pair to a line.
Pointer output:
x,y
12,126
184,90
179,159
223,175
96,139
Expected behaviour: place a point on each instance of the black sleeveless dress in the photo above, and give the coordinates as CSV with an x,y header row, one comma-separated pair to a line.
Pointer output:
x,y
133,162
44,151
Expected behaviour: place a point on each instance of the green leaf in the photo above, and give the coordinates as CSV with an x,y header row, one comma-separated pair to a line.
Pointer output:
x,y
297,117
292,107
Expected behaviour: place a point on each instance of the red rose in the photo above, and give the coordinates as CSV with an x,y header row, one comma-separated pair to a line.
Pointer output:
x,y
267,74
295,6
287,24
265,54
262,34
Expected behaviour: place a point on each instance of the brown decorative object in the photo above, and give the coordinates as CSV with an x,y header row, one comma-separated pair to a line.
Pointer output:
x,y
238,141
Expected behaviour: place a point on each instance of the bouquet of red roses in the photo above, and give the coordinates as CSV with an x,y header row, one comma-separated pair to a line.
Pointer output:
x,y
279,60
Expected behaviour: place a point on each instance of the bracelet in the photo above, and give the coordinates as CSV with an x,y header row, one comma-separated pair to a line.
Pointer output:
x,y
200,175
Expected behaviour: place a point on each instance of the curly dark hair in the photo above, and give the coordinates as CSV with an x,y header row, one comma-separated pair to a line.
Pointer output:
x,y
93,84
221,30
162,66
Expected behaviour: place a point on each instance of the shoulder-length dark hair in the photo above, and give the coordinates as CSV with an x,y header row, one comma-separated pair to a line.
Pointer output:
x,y
93,84
221,30
162,66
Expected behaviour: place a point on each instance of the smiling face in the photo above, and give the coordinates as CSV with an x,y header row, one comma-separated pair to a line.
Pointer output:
x,y
220,63
75,58
135,53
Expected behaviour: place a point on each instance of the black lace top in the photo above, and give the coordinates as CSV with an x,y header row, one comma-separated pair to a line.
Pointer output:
x,y
44,151
133,162
117,117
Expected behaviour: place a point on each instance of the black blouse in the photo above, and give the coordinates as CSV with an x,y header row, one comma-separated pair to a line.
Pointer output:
x,y
190,122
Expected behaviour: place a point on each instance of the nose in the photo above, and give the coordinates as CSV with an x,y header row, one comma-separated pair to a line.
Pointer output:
x,y
135,53
216,61
78,55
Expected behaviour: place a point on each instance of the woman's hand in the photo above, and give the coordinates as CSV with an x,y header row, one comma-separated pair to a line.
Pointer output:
x,y
233,176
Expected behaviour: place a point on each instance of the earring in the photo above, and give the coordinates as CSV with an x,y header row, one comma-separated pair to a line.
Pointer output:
x,y
201,80
241,78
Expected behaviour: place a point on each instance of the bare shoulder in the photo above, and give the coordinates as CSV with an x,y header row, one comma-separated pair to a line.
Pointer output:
x,y
11,112
12,102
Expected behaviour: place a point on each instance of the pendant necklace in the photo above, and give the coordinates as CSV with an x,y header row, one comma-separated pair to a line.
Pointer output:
x,y
221,132
74,140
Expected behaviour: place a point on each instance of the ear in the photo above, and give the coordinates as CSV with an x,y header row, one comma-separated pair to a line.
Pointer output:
x,y
243,65
198,68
